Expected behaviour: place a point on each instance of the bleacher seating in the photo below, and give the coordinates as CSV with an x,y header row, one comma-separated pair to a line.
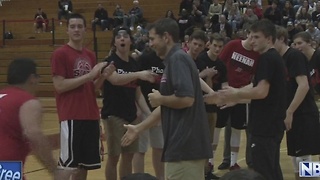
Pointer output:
x,y
26,43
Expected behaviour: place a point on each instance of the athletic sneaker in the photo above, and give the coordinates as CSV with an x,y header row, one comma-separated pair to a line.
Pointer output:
x,y
224,165
234,167
209,175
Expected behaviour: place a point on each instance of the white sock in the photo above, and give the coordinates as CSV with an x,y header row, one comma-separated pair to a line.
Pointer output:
x,y
234,158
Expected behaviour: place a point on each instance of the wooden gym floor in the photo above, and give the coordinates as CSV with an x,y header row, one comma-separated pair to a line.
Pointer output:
x,y
35,171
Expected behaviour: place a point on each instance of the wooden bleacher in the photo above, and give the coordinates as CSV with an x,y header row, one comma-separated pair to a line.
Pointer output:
x,y
28,44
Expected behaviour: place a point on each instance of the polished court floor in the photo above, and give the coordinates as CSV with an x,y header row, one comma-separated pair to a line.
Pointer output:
x,y
35,171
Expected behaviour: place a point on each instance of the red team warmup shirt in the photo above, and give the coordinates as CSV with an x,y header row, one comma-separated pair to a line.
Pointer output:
x,y
79,103
241,64
13,145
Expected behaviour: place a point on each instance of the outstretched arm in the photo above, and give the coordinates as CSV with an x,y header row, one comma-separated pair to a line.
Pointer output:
x,y
30,115
134,130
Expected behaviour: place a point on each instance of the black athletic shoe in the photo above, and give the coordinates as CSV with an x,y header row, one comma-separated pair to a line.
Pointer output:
x,y
209,176
224,165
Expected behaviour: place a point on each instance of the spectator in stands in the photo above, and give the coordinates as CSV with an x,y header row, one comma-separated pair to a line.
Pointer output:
x,y
40,21
215,9
223,25
198,12
234,18
169,14
101,18
184,23
305,5
243,5
257,10
291,31
304,18
313,31
297,4
288,13
135,14
315,16
118,16
249,18
65,8
227,7
273,13
186,5
185,43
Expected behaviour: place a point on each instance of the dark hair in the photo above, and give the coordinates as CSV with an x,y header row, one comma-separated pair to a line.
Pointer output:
x,y
282,32
305,36
216,37
166,25
200,35
76,16
266,27
242,174
19,70
115,33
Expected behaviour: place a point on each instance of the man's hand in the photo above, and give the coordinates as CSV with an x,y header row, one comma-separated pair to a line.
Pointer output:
x,y
228,95
154,98
288,121
209,72
96,70
147,75
106,71
130,135
211,98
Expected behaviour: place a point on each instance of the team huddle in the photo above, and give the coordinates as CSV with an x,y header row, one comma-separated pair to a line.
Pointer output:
x,y
178,99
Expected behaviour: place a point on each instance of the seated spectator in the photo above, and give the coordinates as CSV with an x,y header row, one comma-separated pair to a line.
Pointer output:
x,y
305,5
184,23
287,13
243,5
198,12
248,19
169,14
313,31
118,16
315,16
228,6
304,18
234,18
141,43
185,42
223,26
186,5
215,9
65,8
135,14
257,10
40,21
101,18
292,30
273,13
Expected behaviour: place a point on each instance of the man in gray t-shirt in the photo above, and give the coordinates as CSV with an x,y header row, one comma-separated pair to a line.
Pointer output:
x,y
179,105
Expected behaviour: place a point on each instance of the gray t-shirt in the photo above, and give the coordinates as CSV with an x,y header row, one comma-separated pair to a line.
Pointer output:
x,y
186,131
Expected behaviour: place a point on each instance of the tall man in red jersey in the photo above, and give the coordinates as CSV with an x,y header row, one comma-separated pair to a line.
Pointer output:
x,y
20,117
241,63
75,75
